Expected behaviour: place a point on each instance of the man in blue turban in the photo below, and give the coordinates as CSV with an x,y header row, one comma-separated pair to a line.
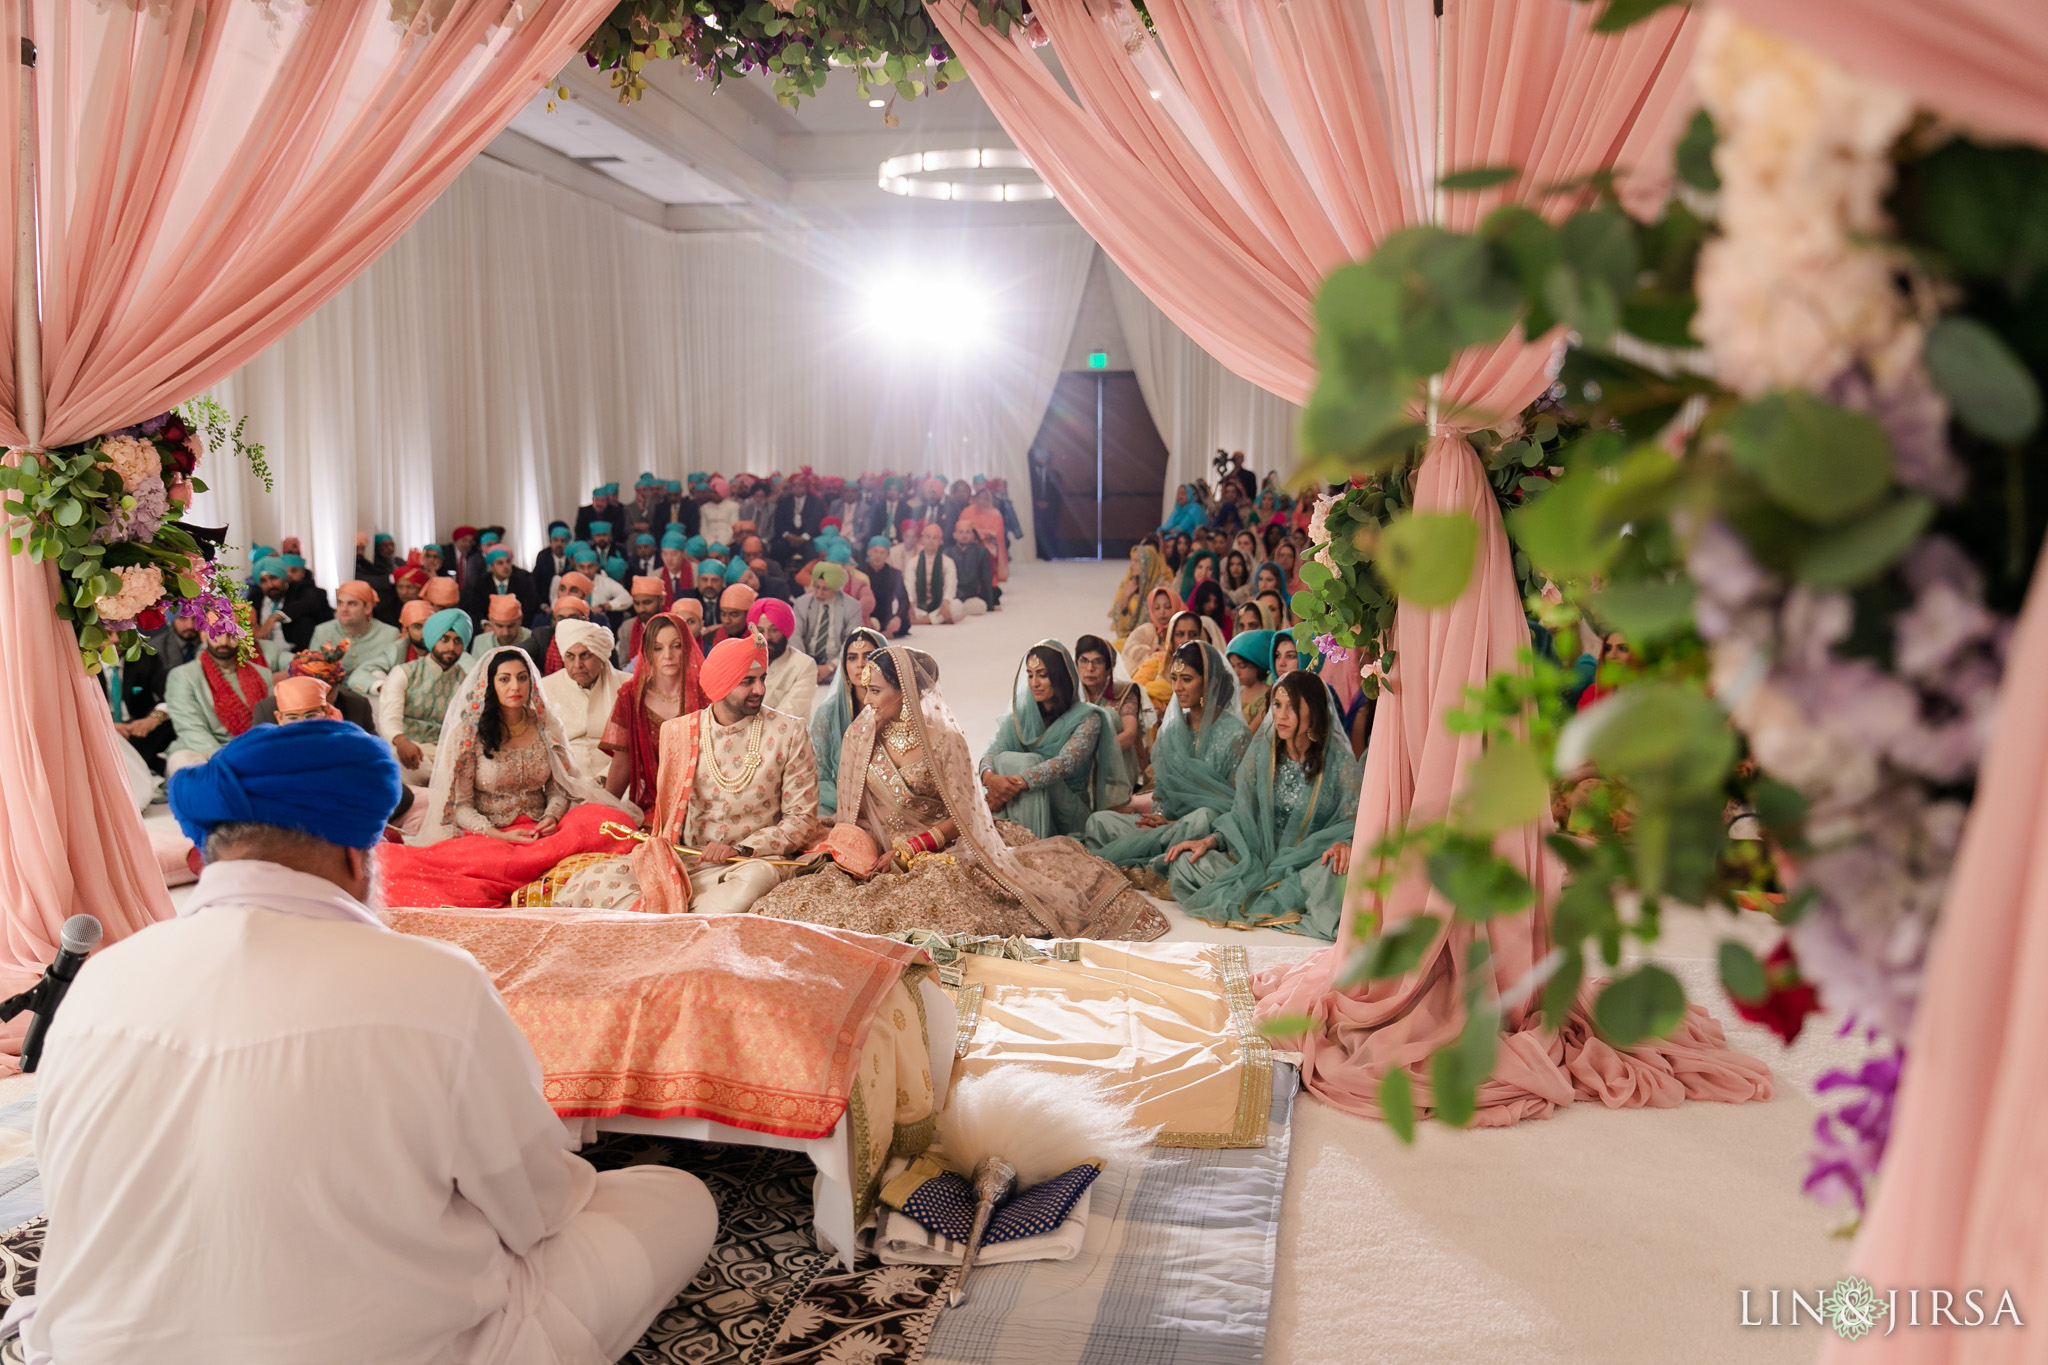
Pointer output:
x,y
603,506
260,1116
287,605
415,695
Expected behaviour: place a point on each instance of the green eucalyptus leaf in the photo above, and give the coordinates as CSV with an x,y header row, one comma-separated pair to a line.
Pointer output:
x,y
1694,157
1476,883
1647,1003
1646,610
1426,557
1397,1104
1391,954
1988,388
1666,735
1560,528
68,512
1620,14
1780,809
1506,787
1315,575
1741,973
1478,178
1852,555
1561,991
1453,1094
1815,460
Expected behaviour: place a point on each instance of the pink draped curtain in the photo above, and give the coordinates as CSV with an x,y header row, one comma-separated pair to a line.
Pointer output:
x,y
1228,165
1980,62
209,174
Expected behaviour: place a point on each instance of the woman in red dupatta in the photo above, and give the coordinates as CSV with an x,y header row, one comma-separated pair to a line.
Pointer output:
x,y
663,687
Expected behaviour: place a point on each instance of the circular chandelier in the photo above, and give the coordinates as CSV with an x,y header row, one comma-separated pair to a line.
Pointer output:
x,y
902,175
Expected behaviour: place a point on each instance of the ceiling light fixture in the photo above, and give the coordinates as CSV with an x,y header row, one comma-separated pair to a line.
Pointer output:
x,y
877,104
898,171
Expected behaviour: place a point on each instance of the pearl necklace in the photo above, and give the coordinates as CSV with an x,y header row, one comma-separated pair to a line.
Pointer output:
x,y
748,767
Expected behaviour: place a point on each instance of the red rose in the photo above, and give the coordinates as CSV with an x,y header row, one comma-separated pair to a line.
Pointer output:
x,y
1788,999
174,431
149,618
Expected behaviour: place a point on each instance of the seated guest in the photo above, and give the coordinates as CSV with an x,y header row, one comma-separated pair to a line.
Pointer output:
x,y
1096,663
277,1017
883,516
412,644
373,647
1251,655
577,584
792,674
1270,577
433,561
1237,577
710,586
1201,566
690,611
1278,857
906,781
441,593
1054,760
1208,602
662,686
717,512
284,608
987,523
1188,512
506,802
135,692
552,561
843,701
607,594
1194,764
738,783
413,701
603,506
503,578
1183,627
407,584
824,617
649,601
678,576
974,569
1249,615
645,561
504,627
891,612
211,700
1127,609
326,667
1274,606
582,691
733,605
542,645
934,581
601,542
1149,637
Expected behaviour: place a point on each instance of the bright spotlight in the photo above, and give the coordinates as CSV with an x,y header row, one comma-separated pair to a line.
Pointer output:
x,y
933,315
878,104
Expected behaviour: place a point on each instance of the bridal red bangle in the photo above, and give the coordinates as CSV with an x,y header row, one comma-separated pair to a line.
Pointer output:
x,y
926,842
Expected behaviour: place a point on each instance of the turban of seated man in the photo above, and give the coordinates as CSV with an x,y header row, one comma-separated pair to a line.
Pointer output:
x,y
415,612
442,592
738,597
325,778
776,613
441,622
580,582
299,694
567,607
504,610
596,639
830,573
727,663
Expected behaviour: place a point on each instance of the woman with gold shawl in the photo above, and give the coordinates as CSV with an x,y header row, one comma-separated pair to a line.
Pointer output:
x,y
907,780
1148,570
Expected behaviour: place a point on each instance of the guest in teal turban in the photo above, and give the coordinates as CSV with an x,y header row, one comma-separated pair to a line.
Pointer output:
x,y
1251,654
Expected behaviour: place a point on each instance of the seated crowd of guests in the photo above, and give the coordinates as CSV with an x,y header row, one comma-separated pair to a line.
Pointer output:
x,y
804,559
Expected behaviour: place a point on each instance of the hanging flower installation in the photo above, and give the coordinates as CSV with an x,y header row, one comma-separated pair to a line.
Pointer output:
x,y
110,513
1813,520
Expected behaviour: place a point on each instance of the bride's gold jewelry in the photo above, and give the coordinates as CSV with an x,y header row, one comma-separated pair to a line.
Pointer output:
x,y
748,767
900,735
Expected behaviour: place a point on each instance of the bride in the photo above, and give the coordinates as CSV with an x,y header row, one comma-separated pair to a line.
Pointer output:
x,y
506,802
907,779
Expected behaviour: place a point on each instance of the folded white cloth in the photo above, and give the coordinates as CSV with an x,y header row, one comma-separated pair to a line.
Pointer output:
x,y
901,1240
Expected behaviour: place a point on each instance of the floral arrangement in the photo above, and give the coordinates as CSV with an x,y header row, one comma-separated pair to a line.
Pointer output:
x,y
1811,505
1364,557
890,46
110,512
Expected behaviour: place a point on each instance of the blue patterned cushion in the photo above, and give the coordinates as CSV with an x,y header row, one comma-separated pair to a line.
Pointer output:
x,y
945,1205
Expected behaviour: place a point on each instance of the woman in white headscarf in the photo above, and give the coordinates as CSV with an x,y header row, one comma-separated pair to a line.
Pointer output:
x,y
907,780
506,802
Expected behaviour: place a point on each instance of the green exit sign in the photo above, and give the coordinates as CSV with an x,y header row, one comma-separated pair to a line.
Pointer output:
x,y
1098,360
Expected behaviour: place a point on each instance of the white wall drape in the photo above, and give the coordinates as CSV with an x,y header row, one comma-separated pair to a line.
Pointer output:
x,y
520,345
1197,404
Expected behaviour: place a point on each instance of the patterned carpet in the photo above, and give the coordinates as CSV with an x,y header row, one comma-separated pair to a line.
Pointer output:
x,y
766,1297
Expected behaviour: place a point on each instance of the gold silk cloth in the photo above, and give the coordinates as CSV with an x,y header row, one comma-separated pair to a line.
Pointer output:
x,y
751,1022
1168,1025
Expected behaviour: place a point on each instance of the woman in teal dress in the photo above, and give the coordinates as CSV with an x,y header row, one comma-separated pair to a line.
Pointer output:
x,y
1194,764
1055,760
836,710
1278,857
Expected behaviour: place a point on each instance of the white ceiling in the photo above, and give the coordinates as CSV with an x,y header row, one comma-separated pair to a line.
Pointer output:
x,y
693,157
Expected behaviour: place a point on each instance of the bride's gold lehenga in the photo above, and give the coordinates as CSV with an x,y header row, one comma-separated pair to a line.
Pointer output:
x,y
1028,886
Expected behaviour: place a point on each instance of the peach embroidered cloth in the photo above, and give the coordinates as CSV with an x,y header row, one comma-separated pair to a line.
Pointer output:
x,y
751,1022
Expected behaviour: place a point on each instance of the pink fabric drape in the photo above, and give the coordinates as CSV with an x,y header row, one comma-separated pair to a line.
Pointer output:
x,y
1228,168
209,175
1286,139
1978,61
1960,1203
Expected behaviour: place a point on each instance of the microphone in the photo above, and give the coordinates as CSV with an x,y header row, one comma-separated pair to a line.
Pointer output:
x,y
78,937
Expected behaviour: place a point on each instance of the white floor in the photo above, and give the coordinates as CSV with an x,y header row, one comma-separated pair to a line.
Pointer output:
x,y
1594,1236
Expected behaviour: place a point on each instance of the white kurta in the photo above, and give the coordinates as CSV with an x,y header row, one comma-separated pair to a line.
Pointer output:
x,y
273,1126
792,683
583,712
